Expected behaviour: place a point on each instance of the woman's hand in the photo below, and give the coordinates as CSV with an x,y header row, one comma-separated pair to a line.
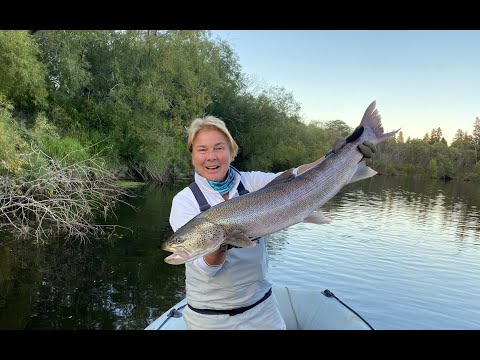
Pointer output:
x,y
366,148
217,257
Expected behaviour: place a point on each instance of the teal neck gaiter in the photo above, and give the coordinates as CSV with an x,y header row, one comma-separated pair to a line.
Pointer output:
x,y
223,187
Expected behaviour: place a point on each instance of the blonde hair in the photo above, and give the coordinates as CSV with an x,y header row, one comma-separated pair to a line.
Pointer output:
x,y
210,122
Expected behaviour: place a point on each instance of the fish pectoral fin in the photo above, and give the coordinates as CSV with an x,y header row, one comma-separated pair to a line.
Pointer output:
x,y
317,218
362,172
238,238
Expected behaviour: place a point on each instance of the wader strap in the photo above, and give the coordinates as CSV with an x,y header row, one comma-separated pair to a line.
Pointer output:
x,y
241,189
231,312
203,203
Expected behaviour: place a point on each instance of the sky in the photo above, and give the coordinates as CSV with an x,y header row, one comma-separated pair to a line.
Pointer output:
x,y
420,80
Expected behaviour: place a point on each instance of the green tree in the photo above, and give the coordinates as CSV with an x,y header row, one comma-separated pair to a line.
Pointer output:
x,y
435,136
22,75
337,128
459,135
476,137
11,143
135,91
432,168
400,137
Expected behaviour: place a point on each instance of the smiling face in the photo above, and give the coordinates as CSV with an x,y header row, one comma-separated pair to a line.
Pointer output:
x,y
211,155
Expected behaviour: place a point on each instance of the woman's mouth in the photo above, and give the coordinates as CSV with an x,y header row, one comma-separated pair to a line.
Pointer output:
x,y
212,168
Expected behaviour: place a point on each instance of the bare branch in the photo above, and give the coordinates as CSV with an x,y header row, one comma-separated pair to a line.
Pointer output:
x,y
65,198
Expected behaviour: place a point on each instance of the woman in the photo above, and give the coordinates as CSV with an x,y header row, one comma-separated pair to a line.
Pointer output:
x,y
228,288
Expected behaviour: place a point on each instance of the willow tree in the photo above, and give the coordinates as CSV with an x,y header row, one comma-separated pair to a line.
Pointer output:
x,y
135,91
22,75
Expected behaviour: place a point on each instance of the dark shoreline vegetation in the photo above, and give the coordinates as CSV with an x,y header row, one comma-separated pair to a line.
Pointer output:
x,y
80,110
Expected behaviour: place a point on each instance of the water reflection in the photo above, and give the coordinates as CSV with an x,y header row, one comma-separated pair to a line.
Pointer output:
x,y
118,284
404,253
277,242
395,238
447,206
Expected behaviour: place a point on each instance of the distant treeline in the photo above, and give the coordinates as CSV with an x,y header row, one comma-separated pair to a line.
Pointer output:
x,y
128,97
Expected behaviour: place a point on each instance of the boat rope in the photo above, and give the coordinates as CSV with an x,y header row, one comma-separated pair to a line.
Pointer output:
x,y
291,305
328,293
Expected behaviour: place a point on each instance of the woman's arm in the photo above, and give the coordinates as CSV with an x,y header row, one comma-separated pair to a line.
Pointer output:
x,y
305,167
366,148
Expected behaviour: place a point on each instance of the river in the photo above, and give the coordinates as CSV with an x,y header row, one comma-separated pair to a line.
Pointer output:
x,y
404,253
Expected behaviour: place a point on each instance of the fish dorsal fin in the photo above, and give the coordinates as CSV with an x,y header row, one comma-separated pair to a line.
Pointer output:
x,y
317,217
239,239
362,172
287,175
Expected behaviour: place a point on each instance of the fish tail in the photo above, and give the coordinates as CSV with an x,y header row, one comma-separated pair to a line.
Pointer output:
x,y
373,120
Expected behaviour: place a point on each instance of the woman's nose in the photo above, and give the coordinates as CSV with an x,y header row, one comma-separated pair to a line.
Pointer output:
x,y
212,154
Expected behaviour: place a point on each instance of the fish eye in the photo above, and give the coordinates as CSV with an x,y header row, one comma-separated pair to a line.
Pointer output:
x,y
178,240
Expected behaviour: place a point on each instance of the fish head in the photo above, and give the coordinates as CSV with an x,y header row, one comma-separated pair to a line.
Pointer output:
x,y
196,238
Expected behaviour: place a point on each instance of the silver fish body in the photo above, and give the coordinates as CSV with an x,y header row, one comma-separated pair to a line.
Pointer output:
x,y
286,201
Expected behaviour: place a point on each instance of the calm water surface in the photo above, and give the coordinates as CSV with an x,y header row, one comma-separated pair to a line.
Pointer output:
x,y
403,253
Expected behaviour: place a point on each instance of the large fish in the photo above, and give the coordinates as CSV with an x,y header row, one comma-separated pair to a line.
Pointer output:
x,y
285,201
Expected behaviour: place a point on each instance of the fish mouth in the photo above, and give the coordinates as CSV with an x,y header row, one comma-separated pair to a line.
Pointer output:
x,y
180,255
177,258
